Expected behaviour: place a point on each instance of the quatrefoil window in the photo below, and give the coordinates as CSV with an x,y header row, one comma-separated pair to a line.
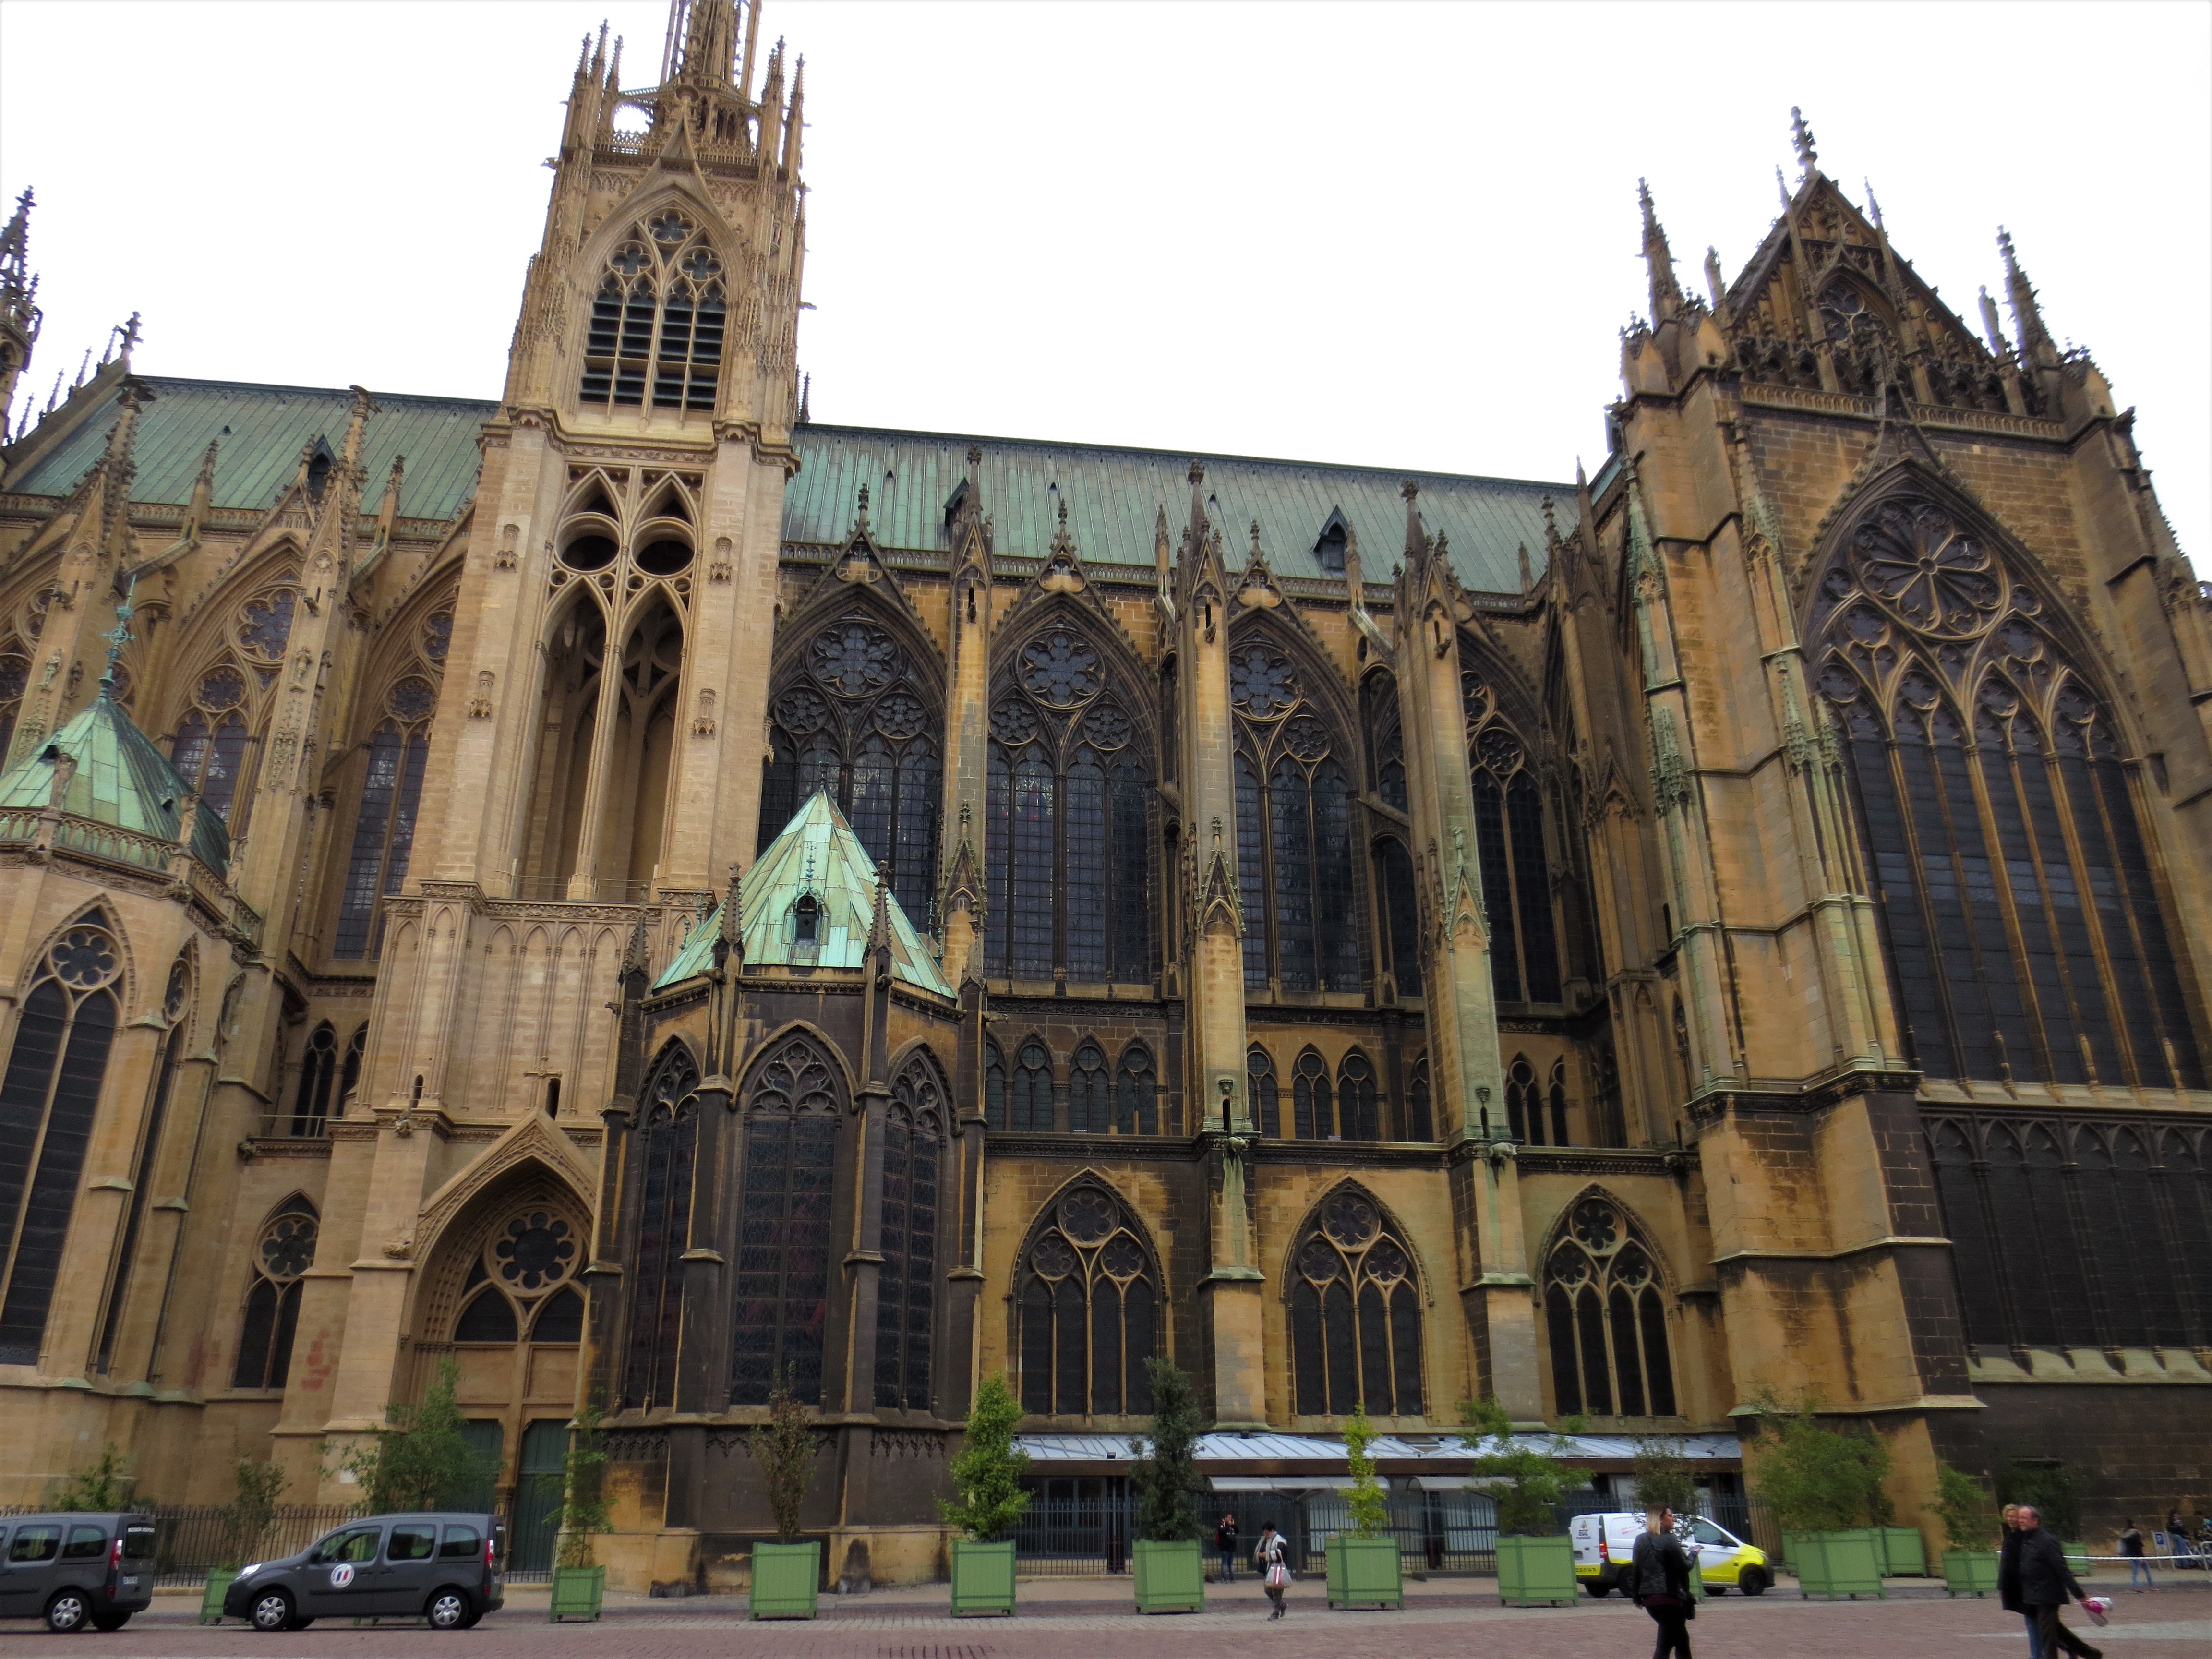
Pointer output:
x,y
85,957
535,1250
288,1247
1059,668
854,659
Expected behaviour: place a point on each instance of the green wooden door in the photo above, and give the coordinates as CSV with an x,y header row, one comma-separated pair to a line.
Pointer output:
x,y
488,1440
537,1494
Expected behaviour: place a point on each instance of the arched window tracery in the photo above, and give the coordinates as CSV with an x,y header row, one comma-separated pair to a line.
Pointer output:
x,y
1559,1102
1386,741
1359,1112
906,1285
523,1279
48,1098
1355,1313
1066,818
658,320
665,1153
1088,1302
1136,1109
14,680
855,717
1029,1088
1090,1102
2026,932
1313,1103
1509,830
994,1086
1266,1095
217,731
1422,1127
397,751
284,1251
1401,914
793,1109
1294,830
176,1003
319,1076
1606,1318
1524,1106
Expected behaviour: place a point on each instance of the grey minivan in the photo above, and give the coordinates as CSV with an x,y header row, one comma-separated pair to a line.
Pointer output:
x,y
444,1568
76,1570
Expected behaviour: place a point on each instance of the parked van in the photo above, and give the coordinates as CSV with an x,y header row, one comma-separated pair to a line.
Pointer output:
x,y
445,1568
1605,1544
76,1570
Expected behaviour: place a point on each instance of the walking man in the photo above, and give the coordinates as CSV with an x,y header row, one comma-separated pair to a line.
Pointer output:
x,y
1660,1574
2008,1579
2131,1547
1225,1540
2045,1586
1268,1557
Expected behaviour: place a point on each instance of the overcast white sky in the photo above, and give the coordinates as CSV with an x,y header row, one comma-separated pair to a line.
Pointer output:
x,y
1402,236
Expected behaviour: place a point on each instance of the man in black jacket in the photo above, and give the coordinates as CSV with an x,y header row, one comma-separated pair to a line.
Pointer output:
x,y
1659,1577
2045,1586
2008,1579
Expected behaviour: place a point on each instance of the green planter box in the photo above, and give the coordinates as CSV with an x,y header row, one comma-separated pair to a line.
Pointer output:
x,y
1171,1577
220,1580
2078,1559
1904,1552
787,1578
1970,1572
982,1576
1834,1564
1534,1570
577,1593
1366,1571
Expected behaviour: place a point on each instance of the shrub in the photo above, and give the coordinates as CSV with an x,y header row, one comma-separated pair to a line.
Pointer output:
x,y
1814,1479
1371,1517
2053,1488
104,1485
987,1473
583,1492
1663,1477
784,1448
1166,1477
1534,1480
423,1460
1969,1516
246,1518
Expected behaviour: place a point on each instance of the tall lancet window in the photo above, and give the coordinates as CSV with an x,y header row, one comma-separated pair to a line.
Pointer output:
x,y
657,320
664,1153
215,746
792,1107
1087,1297
1065,820
855,716
2026,931
1294,830
1508,829
1606,1318
906,1288
398,751
1355,1313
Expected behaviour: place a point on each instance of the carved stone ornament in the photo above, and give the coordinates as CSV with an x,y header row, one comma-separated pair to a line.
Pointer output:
x,y
480,705
703,724
505,558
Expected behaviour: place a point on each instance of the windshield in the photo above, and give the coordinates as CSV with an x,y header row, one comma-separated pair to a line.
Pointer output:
x,y
1706,1532
353,1544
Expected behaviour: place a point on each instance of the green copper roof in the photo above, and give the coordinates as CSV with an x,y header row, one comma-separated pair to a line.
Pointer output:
x,y
121,780
817,856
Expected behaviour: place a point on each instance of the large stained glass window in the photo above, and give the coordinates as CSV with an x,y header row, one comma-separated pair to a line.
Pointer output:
x,y
1355,1310
782,1311
1089,1304
906,1286
1508,829
665,1152
1606,1318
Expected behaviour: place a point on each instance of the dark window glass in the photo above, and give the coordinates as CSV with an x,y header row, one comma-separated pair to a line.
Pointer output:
x,y
1252,873
1422,1127
318,1075
782,1280
1267,1104
1294,826
1559,1102
489,1318
1313,1112
1087,1303
995,1087
1032,1087
1508,834
1974,1253
1355,1312
1135,1109
1090,1105
667,1143
1658,1366
1566,1368
906,1285
560,1319
1605,1318
1393,873
1355,1097
461,1544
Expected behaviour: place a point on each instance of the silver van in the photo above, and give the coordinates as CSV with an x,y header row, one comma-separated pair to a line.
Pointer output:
x,y
75,1569
445,1568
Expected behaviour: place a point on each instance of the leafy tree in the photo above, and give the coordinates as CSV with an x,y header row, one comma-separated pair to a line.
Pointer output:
x,y
104,1485
1371,1517
1964,1505
252,1506
2053,1488
583,1495
784,1448
1816,1480
987,1473
1166,1477
1534,1480
1663,1477
423,1459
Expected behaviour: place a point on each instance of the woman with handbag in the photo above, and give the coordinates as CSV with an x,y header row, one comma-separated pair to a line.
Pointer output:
x,y
1660,1574
1269,1558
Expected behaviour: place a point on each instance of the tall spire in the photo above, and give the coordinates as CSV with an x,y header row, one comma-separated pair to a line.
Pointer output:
x,y
19,312
1801,138
702,42
2027,315
1658,261
1715,283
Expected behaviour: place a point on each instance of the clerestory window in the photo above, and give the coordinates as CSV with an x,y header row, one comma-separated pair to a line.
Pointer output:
x,y
657,321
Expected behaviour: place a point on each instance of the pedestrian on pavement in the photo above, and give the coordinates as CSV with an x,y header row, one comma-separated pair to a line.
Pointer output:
x,y
2008,1579
1225,1540
2131,1549
1659,1575
1268,1561
2177,1531
2046,1585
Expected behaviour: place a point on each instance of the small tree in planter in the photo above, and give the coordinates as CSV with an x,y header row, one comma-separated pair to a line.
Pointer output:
x,y
1534,1565
423,1459
1970,1523
786,1574
1363,1564
987,1477
1170,1575
1663,1477
245,1521
1826,1490
578,1584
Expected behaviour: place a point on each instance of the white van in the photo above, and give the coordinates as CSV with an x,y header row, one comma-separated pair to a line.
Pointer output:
x,y
1605,1543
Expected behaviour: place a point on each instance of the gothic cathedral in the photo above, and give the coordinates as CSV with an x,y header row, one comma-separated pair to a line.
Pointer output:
x,y
645,897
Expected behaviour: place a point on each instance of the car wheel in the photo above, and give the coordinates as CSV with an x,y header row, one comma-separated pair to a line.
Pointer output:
x,y
1597,1587
1753,1582
1716,1589
449,1609
110,1620
271,1610
67,1611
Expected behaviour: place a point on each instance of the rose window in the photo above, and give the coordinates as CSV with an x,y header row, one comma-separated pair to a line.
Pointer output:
x,y
1934,575
1087,1218
84,958
1261,682
266,623
1014,722
1595,1224
1059,670
801,711
535,1250
288,1247
854,659
412,698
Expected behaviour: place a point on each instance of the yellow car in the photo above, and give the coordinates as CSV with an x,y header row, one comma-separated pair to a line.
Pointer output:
x,y
1605,1544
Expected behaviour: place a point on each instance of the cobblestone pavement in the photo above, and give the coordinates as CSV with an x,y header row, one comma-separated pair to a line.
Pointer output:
x,y
1918,1623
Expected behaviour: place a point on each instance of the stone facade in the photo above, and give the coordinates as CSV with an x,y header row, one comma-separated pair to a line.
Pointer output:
x,y
1674,939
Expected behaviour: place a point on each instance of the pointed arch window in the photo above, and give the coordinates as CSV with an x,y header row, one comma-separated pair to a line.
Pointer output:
x,y
1509,833
1090,1103
1294,841
994,1086
284,1251
1524,1103
526,1267
14,680
209,750
1313,1103
1401,915
791,1114
2026,931
1605,1319
1355,1314
1029,1090
1088,1302
1136,1109
1067,820
1417,1100
1557,1096
853,717
397,753
1386,739
657,320
906,1285
319,1076
1358,1114
47,1102
1266,1094
665,1152
176,999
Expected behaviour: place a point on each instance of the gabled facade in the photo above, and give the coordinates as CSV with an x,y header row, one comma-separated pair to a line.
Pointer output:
x,y
646,896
